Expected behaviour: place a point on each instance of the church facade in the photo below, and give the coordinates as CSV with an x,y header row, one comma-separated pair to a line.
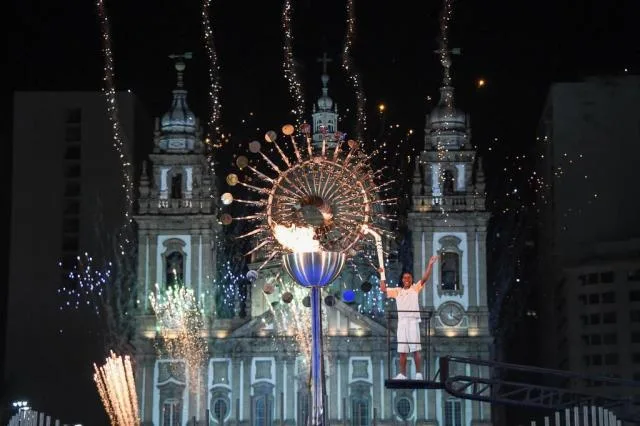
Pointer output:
x,y
257,372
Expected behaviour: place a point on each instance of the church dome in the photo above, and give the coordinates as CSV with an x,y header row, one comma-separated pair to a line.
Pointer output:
x,y
445,115
179,118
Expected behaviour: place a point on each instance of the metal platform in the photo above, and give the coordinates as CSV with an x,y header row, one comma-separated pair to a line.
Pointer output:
x,y
413,384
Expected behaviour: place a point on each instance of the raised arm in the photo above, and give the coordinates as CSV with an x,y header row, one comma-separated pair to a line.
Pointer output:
x,y
427,273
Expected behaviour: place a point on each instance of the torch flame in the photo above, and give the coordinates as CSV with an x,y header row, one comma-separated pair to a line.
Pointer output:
x,y
296,239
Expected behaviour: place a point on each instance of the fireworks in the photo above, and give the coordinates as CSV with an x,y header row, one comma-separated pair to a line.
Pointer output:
x,y
332,191
117,390
214,76
352,75
89,283
288,65
181,321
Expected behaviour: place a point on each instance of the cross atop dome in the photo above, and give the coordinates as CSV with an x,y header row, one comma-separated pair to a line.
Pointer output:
x,y
325,112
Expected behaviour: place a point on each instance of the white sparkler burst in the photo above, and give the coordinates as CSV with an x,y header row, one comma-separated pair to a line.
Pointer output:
x,y
327,195
117,390
181,325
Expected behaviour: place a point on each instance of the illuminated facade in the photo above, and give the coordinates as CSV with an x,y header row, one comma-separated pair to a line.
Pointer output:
x,y
257,371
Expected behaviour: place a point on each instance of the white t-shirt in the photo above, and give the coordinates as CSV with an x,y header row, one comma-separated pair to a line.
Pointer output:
x,y
407,300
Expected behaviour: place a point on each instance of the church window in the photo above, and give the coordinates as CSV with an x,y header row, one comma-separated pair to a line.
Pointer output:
x,y
172,413
175,269
448,182
449,271
262,404
360,404
453,412
220,410
176,186
303,406
360,412
404,408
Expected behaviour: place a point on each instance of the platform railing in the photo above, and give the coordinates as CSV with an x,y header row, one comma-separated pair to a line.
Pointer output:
x,y
425,339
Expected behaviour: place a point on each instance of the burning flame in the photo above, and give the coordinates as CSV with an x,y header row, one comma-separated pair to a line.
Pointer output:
x,y
296,239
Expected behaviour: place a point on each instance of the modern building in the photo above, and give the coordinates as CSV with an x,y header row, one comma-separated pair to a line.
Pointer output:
x,y
588,228
65,169
256,370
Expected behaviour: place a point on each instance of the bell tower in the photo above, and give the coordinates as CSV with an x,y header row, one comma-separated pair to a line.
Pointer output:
x,y
325,112
177,228
448,218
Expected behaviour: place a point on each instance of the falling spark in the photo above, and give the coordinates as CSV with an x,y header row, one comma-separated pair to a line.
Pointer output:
x,y
289,65
352,74
117,390
213,131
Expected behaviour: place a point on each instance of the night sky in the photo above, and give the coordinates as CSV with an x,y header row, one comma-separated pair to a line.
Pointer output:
x,y
518,47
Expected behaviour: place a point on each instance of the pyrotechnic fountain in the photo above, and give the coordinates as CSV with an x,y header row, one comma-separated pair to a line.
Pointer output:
x,y
313,213
117,390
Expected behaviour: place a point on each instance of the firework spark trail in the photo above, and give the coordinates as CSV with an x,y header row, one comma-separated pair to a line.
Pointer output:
x,y
352,74
288,64
181,320
213,132
117,390
109,92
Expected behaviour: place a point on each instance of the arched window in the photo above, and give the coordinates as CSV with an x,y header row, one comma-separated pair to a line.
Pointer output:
x,y
449,271
404,407
453,412
175,269
176,185
172,412
304,400
448,182
262,404
360,404
220,410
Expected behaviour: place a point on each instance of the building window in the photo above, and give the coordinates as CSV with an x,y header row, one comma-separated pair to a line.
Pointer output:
x,y
74,116
73,134
71,207
70,244
176,186
594,319
453,412
72,189
609,318
593,278
609,297
449,275
594,299
220,410
172,413
596,359
607,277
72,153
596,340
635,358
635,337
175,269
633,275
448,183
611,359
634,296
404,408
634,315
72,172
360,412
263,404
303,406
610,338
71,225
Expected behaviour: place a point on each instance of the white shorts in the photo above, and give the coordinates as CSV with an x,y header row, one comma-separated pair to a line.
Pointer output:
x,y
408,335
